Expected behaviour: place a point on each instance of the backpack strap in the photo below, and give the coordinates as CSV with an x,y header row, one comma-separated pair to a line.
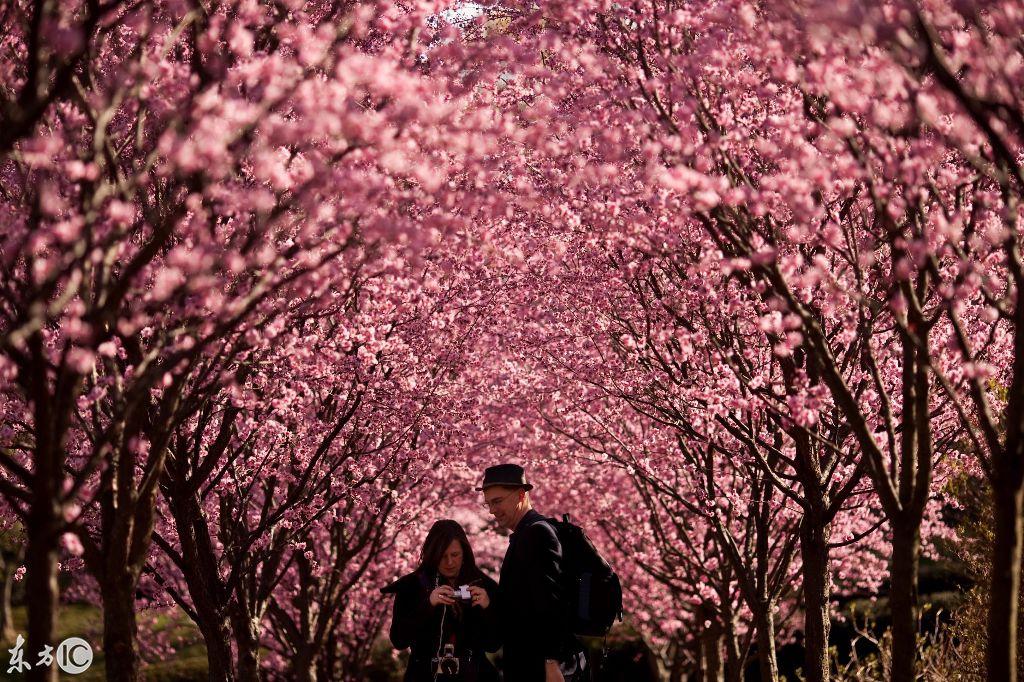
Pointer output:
x,y
550,523
586,581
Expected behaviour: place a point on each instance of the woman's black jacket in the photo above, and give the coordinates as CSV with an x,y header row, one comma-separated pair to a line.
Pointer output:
x,y
418,625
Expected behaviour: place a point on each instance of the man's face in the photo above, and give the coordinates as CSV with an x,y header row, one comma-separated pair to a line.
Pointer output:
x,y
502,502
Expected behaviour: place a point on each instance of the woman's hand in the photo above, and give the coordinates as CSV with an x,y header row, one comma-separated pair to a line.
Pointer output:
x,y
480,597
442,594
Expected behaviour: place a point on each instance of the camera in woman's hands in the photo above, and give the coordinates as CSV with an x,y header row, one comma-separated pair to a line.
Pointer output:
x,y
463,594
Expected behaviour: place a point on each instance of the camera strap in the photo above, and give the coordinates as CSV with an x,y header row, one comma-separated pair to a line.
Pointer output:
x,y
440,634
440,637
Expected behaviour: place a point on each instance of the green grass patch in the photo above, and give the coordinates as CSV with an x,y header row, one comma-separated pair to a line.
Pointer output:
x,y
86,621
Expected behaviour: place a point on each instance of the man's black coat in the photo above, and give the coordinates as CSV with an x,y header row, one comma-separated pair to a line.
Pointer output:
x,y
417,625
531,601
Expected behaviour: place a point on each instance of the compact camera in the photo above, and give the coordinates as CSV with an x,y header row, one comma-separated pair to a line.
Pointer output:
x,y
447,663
462,594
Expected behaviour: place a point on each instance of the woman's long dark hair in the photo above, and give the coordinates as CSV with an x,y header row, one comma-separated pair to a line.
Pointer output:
x,y
438,539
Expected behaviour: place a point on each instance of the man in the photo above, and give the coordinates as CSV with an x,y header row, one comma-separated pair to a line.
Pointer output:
x,y
530,595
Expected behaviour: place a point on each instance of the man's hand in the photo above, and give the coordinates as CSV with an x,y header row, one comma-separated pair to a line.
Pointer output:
x,y
552,673
480,597
442,594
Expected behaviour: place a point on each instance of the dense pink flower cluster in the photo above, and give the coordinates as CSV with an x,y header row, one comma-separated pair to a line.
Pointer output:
x,y
737,281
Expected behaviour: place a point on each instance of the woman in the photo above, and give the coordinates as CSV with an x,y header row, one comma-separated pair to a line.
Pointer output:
x,y
448,634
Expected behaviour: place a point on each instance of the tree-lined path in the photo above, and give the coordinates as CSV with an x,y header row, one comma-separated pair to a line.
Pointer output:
x,y
737,281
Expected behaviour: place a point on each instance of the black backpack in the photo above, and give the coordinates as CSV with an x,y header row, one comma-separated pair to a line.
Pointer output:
x,y
591,586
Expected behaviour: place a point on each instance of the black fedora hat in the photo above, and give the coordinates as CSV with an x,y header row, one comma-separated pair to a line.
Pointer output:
x,y
511,475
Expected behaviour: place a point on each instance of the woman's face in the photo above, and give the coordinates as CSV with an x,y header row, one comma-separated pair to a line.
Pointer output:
x,y
451,560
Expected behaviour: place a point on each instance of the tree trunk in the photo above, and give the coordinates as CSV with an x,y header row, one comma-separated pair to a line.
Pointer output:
x,y
733,668
711,656
120,629
327,663
678,660
906,555
710,664
41,590
200,571
1004,588
765,625
219,659
247,641
816,593
304,666
10,565
817,589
